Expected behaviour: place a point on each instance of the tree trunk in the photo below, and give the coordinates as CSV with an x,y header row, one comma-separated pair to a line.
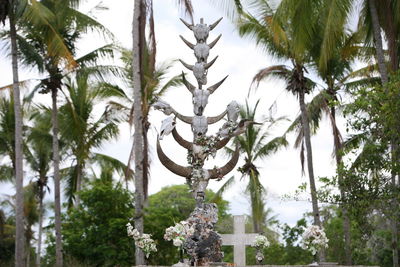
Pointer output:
x,y
345,214
19,235
138,119
307,139
378,41
78,184
57,193
39,241
384,76
146,175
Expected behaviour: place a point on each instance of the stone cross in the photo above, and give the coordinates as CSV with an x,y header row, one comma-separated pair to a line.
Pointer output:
x,y
239,239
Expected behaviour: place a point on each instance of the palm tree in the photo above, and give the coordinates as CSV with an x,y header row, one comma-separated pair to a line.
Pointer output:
x,y
49,48
255,147
8,9
82,131
280,38
39,159
140,18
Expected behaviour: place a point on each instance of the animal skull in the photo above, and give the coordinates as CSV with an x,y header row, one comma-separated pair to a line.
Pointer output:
x,y
233,111
201,52
164,107
200,72
167,126
200,101
199,126
201,32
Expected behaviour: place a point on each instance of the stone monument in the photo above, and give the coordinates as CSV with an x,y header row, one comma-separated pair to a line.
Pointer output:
x,y
204,246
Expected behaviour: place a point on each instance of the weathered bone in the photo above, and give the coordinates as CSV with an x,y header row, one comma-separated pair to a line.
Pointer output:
x,y
170,165
212,89
200,101
179,139
167,125
212,120
213,43
187,42
212,26
190,26
184,118
199,125
221,172
163,107
188,85
201,52
233,110
189,145
199,70
188,66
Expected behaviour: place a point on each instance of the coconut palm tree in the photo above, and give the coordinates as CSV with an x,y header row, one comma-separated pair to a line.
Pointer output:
x,y
50,53
143,15
255,147
82,130
38,156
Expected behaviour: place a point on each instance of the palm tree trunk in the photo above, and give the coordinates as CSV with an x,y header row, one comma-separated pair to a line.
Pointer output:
x,y
40,230
384,76
138,118
78,184
345,214
19,235
57,194
378,41
146,173
307,139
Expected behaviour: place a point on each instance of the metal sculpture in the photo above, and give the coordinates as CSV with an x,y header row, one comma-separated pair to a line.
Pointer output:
x,y
204,247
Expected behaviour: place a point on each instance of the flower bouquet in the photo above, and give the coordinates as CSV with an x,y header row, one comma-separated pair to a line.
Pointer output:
x,y
144,241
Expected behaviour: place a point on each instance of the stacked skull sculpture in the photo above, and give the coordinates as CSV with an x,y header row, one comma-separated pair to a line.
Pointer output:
x,y
203,146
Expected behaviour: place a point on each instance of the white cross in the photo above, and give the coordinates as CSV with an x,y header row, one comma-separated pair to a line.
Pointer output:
x,y
239,239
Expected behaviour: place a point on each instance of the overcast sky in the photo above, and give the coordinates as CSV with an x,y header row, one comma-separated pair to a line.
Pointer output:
x,y
240,59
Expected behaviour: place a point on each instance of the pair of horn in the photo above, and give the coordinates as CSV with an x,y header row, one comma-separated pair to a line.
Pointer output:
x,y
210,45
189,119
186,172
206,65
211,27
211,89
189,145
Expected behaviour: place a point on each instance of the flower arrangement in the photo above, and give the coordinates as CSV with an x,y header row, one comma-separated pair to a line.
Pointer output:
x,y
314,239
144,241
260,242
179,233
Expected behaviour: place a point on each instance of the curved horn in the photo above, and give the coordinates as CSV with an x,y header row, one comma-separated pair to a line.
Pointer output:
x,y
212,120
221,143
212,26
221,172
190,67
212,89
188,85
183,118
187,42
190,26
211,45
170,165
179,139
209,64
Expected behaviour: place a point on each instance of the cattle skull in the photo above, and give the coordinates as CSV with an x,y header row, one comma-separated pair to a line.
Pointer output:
x,y
199,126
167,126
233,111
163,106
200,101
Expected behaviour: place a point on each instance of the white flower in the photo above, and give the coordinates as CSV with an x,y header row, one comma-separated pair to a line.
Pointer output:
x,y
179,232
314,239
177,242
260,241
